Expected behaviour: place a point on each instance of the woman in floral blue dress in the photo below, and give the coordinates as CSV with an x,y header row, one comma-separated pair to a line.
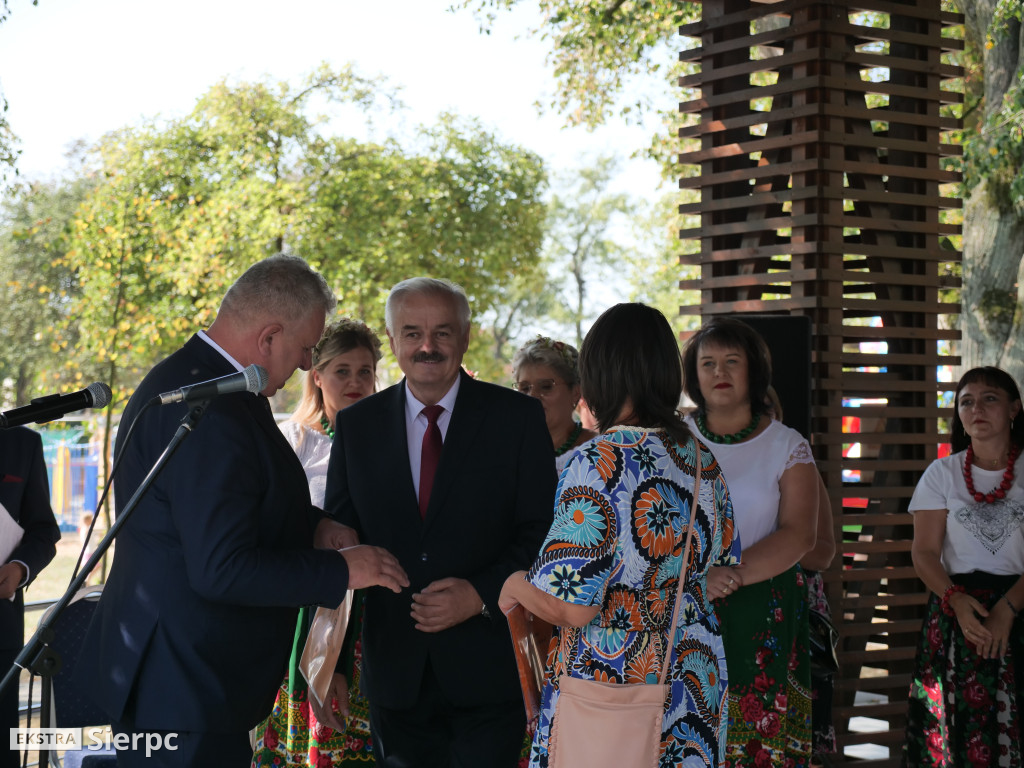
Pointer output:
x,y
607,573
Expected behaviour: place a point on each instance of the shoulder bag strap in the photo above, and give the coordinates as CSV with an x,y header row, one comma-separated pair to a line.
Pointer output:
x,y
686,561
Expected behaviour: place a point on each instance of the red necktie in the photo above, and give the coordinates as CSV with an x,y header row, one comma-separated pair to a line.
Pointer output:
x,y
430,455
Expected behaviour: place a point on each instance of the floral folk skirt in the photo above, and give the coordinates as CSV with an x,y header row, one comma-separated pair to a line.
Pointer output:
x,y
965,711
764,628
292,736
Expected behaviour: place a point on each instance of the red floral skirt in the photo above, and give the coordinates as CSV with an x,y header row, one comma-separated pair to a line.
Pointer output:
x,y
965,711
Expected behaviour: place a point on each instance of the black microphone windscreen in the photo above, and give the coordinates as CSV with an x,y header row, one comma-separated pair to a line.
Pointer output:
x,y
101,394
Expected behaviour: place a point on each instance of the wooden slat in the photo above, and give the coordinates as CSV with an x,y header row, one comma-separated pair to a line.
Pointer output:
x,y
867,332
874,601
887,683
779,196
877,628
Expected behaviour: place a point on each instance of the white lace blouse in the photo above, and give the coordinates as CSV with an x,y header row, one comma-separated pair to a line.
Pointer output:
x,y
752,471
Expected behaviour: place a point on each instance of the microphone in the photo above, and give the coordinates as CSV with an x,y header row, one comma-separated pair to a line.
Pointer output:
x,y
253,379
50,407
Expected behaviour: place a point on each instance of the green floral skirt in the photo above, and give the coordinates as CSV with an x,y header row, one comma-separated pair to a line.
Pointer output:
x,y
764,629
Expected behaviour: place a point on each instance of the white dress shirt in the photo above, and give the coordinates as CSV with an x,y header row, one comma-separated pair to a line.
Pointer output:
x,y
416,426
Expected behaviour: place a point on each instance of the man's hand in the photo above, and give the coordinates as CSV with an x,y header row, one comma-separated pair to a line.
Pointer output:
x,y
330,534
445,603
11,576
372,566
336,703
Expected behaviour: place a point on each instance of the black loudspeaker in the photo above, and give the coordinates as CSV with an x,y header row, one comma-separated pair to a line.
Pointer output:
x,y
789,340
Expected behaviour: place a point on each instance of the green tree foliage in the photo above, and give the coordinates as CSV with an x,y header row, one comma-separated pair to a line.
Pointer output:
x,y
611,59
583,241
35,289
653,269
181,207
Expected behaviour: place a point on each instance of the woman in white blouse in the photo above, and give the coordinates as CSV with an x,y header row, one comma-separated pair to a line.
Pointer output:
x,y
773,483
968,686
344,371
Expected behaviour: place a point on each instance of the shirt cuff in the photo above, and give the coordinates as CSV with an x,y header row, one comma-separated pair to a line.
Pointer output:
x,y
28,573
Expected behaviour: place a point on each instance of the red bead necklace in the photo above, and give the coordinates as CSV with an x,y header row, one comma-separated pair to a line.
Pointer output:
x,y
995,493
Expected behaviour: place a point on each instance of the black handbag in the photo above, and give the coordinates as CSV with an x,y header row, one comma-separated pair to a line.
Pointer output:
x,y
823,638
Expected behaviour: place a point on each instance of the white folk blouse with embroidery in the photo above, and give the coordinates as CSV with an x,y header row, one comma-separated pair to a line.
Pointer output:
x,y
979,536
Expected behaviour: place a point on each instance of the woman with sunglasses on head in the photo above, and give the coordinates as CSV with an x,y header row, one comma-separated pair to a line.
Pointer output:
x,y
762,603
344,371
549,370
968,686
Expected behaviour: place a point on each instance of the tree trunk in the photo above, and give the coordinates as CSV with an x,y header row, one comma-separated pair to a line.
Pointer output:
x,y
993,247
993,239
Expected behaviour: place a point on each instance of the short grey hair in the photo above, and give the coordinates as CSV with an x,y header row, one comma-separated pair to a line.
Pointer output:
x,y
283,285
426,286
562,358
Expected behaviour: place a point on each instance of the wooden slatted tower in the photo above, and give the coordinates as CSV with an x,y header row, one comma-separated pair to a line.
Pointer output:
x,y
817,148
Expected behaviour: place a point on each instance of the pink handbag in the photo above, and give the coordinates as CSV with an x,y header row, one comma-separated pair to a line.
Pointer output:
x,y
613,725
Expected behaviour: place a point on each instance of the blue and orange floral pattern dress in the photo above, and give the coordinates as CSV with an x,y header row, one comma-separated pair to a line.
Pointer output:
x,y
622,509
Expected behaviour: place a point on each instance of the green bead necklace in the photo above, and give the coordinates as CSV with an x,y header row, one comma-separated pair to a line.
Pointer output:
x,y
727,439
328,429
571,441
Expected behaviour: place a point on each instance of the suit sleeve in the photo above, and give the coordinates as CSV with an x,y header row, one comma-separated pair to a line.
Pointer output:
x,y
38,545
532,506
337,499
246,539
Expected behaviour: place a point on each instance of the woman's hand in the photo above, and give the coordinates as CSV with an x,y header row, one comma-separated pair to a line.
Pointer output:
x,y
723,581
999,623
507,599
969,613
336,703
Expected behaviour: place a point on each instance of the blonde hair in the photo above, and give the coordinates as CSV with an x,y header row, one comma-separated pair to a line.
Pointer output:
x,y
339,337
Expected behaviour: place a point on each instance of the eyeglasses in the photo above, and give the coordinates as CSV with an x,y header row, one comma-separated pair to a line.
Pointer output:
x,y
542,388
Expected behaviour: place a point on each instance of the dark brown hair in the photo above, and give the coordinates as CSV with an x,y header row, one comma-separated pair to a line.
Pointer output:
x,y
630,358
994,377
730,333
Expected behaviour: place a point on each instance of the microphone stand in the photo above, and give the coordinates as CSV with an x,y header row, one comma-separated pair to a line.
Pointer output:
x,y
37,656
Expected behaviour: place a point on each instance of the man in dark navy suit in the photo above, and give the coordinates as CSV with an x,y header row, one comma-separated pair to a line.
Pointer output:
x,y
438,665
25,497
194,628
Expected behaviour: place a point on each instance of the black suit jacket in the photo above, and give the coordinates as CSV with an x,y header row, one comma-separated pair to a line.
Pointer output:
x,y
25,494
489,511
195,624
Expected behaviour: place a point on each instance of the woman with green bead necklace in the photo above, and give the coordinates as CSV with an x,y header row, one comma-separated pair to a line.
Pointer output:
x,y
344,371
762,602
549,370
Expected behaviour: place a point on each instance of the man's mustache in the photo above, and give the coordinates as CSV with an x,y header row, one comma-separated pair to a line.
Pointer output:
x,y
428,357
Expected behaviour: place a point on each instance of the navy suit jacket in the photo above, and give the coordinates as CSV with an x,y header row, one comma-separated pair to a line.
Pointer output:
x,y
490,508
25,494
195,625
